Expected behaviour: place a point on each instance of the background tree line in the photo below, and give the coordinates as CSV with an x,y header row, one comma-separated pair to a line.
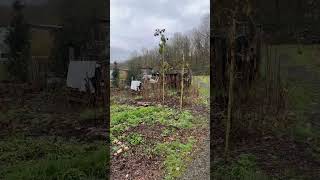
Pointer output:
x,y
288,21
285,21
195,46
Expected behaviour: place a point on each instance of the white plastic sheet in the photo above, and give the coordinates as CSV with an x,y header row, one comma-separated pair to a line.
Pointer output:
x,y
135,85
78,72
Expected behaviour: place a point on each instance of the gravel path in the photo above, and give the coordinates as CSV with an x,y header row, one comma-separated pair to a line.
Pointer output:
x,y
199,169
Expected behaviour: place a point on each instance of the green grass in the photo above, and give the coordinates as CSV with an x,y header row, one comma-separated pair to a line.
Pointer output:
x,y
242,168
123,117
176,155
301,74
299,97
135,139
245,167
49,158
199,82
302,132
309,57
167,132
205,80
301,90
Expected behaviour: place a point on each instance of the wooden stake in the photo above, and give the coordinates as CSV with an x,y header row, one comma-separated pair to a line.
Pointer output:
x,y
182,73
230,99
163,77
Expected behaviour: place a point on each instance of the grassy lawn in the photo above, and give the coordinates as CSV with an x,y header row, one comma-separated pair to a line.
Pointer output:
x,y
309,56
202,83
155,133
301,73
244,167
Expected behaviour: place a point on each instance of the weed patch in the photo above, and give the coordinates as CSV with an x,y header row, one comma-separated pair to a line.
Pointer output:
x,y
123,117
135,139
244,168
51,159
202,84
167,132
154,135
176,154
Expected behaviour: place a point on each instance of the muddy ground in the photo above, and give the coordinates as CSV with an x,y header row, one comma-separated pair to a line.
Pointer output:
x,y
49,114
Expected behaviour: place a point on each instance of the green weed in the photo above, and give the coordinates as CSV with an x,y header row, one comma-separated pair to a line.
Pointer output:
x,y
135,139
176,154
167,132
202,83
243,168
302,131
51,158
299,97
124,117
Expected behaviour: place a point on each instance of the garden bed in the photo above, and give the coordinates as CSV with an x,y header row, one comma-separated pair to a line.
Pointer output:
x,y
154,142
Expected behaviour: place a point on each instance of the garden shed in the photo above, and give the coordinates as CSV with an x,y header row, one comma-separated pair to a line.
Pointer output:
x,y
173,78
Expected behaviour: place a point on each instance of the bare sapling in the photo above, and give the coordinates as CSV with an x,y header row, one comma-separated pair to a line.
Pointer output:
x,y
182,83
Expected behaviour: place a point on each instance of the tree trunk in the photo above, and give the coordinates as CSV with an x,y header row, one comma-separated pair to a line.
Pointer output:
x,y
163,78
182,83
230,96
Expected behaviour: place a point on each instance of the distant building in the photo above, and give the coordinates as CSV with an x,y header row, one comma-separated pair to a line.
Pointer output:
x,y
146,70
123,75
41,45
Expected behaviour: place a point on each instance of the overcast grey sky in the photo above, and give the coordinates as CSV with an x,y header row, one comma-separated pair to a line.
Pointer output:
x,y
133,22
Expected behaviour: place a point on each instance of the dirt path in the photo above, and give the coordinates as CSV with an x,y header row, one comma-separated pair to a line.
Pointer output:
x,y
199,169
